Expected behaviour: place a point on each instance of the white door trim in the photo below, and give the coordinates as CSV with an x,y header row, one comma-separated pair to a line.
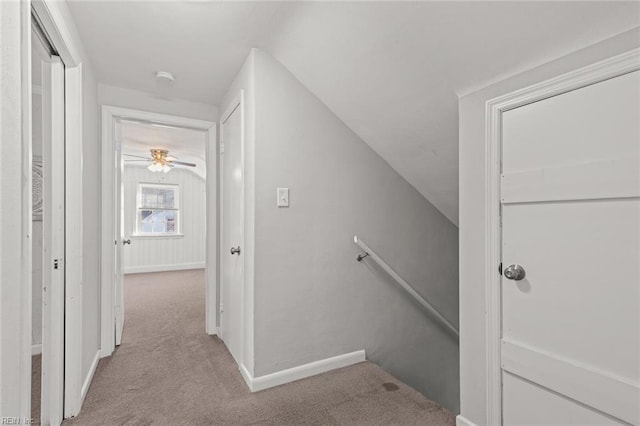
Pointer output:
x,y
107,209
65,40
236,103
15,352
73,243
53,297
211,246
613,67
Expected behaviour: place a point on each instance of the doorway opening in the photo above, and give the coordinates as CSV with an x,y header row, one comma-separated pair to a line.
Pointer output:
x,y
163,212
159,208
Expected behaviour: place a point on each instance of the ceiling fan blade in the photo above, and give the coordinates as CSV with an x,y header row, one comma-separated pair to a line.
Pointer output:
x,y
182,163
137,156
138,161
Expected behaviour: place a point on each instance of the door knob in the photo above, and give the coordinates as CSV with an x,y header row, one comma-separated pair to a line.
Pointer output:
x,y
514,272
235,250
126,241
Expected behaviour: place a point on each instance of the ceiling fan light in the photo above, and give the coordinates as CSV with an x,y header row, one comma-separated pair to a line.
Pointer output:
x,y
165,168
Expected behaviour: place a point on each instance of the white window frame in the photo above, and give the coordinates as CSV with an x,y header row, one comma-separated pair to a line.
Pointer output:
x,y
178,209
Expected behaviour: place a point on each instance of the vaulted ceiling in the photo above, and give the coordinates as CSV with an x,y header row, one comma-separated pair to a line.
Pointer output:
x,y
392,71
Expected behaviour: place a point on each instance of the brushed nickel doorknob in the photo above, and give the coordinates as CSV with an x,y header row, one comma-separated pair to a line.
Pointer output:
x,y
514,272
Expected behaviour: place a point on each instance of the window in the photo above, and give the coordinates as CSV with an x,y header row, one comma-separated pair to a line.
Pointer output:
x,y
158,209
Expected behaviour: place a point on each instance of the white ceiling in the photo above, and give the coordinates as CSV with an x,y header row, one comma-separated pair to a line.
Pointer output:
x,y
202,43
392,71
183,144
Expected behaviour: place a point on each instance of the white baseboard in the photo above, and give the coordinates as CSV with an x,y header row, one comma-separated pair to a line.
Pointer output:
x,y
301,372
248,378
463,421
163,268
89,378
36,349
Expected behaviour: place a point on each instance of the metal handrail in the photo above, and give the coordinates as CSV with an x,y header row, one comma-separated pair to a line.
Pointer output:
x,y
405,285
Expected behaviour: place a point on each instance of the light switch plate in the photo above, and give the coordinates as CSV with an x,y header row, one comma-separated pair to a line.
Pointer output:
x,y
283,197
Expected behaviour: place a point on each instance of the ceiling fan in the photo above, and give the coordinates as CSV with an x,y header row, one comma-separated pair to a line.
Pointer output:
x,y
160,161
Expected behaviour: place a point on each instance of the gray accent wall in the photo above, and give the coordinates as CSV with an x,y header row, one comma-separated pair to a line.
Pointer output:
x,y
313,300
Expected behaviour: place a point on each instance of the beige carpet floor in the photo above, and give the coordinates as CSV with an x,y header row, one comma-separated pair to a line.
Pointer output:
x,y
36,379
168,372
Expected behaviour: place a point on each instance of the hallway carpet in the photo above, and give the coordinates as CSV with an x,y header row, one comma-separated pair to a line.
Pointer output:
x,y
168,372
36,379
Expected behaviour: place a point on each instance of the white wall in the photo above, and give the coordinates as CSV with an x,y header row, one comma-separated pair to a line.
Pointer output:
x,y
90,166
136,99
15,244
151,254
91,218
313,300
16,267
472,212
90,207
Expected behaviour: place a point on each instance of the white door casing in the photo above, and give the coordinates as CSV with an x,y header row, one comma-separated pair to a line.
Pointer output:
x,y
118,201
571,216
53,298
112,319
232,229
566,343
15,359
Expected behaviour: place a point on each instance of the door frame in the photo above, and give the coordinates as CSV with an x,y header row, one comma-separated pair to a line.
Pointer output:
x,y
15,365
107,211
585,76
236,104
53,238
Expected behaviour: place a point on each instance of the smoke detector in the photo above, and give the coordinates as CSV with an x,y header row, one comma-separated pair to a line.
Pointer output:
x,y
165,77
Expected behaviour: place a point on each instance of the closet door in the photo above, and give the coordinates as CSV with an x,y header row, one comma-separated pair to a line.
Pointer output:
x,y
51,70
570,192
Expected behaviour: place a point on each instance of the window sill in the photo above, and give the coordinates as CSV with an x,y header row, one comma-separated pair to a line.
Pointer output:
x,y
156,237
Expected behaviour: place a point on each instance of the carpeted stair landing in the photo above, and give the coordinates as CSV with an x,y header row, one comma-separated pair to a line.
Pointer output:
x,y
168,372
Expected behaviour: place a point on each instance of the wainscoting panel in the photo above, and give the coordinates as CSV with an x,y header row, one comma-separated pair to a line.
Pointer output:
x,y
147,252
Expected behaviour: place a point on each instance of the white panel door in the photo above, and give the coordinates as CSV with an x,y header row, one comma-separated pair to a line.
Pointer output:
x,y
53,291
119,237
232,228
570,192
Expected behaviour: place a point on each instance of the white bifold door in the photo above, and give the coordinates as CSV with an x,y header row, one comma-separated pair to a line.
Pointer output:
x,y
570,191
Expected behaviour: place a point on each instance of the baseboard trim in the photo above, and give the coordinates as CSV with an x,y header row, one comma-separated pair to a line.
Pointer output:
x,y
248,378
463,421
301,372
89,378
36,349
164,268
